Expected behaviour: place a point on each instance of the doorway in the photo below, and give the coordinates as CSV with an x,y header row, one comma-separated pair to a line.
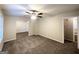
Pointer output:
x,y
70,29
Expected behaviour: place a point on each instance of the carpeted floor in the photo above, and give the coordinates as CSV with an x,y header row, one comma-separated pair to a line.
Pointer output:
x,y
25,44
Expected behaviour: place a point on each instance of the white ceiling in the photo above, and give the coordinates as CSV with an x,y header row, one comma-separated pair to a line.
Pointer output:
x,y
49,9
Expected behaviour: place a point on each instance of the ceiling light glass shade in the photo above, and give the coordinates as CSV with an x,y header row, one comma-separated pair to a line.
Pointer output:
x,y
33,17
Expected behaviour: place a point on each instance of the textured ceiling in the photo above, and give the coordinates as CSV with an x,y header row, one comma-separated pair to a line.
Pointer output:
x,y
48,9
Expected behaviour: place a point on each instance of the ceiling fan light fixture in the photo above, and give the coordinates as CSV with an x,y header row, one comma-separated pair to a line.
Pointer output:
x,y
33,17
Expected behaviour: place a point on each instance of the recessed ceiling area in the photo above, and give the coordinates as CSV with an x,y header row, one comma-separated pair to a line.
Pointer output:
x,y
47,9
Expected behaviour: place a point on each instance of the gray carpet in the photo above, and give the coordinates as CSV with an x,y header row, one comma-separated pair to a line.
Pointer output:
x,y
25,44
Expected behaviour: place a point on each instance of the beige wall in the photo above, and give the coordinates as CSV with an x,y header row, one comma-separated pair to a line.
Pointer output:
x,y
78,32
9,28
22,24
53,26
32,27
13,25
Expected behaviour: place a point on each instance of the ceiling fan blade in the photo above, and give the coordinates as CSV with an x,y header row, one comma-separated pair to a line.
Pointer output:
x,y
34,10
40,16
40,13
28,12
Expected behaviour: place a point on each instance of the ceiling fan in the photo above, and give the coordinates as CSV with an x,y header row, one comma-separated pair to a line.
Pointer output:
x,y
35,13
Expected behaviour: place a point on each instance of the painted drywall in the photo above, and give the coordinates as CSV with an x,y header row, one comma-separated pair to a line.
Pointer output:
x,y
78,31
53,26
75,23
33,27
22,24
9,28
13,25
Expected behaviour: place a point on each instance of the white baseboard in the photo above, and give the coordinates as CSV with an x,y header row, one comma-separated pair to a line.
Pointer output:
x,y
52,39
9,40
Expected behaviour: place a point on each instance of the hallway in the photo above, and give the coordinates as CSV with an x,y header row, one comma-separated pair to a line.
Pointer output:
x,y
38,45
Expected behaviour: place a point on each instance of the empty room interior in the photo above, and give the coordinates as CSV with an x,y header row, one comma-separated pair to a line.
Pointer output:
x,y
39,28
